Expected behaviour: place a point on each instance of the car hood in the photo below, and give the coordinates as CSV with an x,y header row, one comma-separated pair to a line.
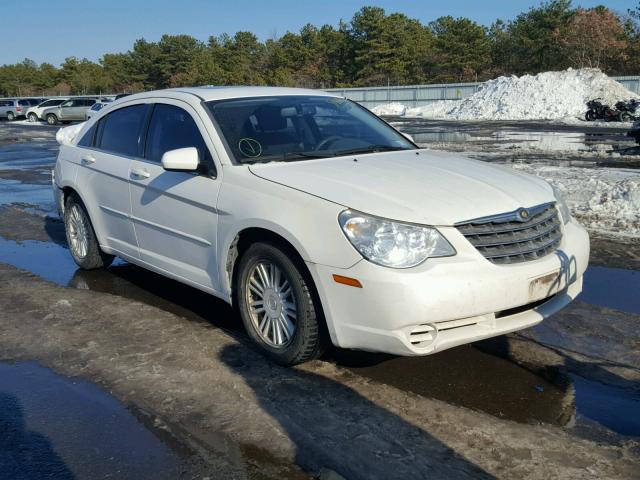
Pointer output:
x,y
419,186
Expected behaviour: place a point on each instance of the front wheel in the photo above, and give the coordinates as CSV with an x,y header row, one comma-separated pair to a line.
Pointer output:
x,y
52,119
81,237
277,307
33,118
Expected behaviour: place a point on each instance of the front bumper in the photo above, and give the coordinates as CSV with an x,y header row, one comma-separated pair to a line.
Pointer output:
x,y
451,301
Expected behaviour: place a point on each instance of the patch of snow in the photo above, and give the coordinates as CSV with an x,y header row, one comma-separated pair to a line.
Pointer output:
x,y
545,96
605,200
437,109
27,122
393,108
66,135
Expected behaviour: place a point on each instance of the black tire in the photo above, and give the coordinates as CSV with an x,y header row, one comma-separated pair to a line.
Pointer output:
x,y
11,116
33,118
590,116
93,256
52,119
625,117
308,339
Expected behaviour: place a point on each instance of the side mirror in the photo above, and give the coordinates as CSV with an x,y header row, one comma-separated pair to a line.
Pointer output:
x,y
181,159
408,137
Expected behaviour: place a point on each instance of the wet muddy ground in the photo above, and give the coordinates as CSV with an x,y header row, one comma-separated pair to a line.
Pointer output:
x,y
571,383
580,144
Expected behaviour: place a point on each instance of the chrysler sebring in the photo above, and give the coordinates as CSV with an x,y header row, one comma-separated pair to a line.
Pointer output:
x,y
317,220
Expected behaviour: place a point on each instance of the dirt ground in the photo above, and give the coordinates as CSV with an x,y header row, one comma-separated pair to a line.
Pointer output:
x,y
557,401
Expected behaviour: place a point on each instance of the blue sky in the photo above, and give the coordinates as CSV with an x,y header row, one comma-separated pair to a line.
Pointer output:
x,y
50,30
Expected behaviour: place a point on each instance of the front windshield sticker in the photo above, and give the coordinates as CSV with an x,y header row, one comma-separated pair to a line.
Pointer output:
x,y
250,147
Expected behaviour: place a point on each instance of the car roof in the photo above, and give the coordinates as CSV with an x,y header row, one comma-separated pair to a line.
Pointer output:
x,y
208,93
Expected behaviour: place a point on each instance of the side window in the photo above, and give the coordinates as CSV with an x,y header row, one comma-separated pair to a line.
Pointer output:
x,y
120,130
172,127
88,103
68,103
87,138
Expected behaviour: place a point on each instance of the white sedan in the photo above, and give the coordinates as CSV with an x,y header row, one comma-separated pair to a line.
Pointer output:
x,y
317,220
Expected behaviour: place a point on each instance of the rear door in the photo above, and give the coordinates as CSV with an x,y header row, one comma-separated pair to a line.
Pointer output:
x,y
104,176
65,110
174,213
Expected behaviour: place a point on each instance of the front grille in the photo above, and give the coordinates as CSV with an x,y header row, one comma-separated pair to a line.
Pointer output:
x,y
514,237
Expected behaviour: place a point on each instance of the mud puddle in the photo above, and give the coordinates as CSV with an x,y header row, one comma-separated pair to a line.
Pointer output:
x,y
463,376
622,412
65,428
615,288
540,137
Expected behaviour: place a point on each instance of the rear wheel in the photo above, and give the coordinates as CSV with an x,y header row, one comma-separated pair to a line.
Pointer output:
x,y
81,237
11,116
276,304
52,119
33,118
625,117
590,116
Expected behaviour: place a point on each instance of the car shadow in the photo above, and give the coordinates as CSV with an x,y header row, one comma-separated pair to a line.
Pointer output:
x,y
333,426
26,455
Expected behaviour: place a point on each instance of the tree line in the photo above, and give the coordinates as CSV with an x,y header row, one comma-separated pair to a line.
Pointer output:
x,y
374,48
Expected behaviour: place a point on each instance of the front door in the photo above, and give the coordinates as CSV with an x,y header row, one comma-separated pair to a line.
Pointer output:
x,y
174,213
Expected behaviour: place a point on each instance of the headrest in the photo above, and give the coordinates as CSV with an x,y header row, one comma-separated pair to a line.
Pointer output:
x,y
270,118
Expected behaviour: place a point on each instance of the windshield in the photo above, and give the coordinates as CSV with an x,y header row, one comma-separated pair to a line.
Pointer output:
x,y
292,128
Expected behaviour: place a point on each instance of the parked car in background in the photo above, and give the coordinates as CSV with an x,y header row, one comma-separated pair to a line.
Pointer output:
x,y
74,109
35,113
96,107
13,108
317,220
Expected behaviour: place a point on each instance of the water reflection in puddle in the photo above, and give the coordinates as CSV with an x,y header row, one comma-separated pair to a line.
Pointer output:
x,y
622,412
62,428
614,288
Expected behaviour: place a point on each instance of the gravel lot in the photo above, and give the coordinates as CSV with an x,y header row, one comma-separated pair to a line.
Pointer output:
x,y
561,400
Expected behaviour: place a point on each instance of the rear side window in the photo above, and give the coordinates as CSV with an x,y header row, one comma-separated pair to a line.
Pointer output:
x,y
172,127
120,130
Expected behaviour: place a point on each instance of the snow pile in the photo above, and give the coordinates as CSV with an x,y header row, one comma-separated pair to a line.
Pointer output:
x,y
394,108
545,96
605,200
66,135
438,109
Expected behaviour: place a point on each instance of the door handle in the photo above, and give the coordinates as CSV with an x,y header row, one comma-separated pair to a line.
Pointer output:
x,y
140,173
87,160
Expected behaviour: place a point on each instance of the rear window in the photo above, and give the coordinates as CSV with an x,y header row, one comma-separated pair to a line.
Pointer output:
x,y
51,103
120,130
24,103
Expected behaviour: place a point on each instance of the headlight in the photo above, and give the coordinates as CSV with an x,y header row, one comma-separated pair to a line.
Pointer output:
x,y
561,203
393,244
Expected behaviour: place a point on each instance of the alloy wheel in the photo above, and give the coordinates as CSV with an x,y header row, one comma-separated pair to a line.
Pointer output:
x,y
78,233
272,304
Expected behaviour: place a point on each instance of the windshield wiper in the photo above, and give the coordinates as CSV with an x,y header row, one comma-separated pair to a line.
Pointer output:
x,y
291,155
369,149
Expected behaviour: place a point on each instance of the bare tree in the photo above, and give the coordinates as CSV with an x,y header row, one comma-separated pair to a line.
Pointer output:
x,y
593,38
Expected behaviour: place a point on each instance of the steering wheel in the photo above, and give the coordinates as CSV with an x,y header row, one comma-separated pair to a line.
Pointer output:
x,y
327,141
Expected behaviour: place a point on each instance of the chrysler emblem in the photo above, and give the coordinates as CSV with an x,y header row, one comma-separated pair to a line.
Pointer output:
x,y
524,214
